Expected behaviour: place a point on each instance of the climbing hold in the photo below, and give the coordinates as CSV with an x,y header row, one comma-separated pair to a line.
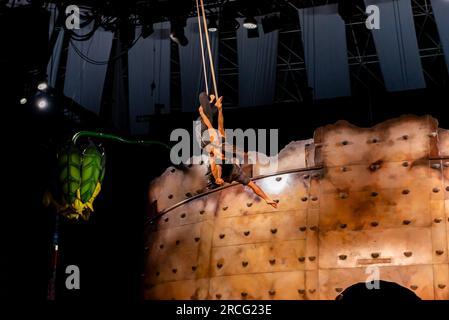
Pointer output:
x,y
304,199
161,246
188,195
405,191
166,219
301,259
301,291
273,231
408,254
272,292
197,239
338,290
344,142
178,242
221,236
249,204
202,212
414,287
170,196
225,208
174,270
273,261
194,268
302,229
436,190
439,252
374,224
183,215
244,294
278,179
405,137
219,265
311,259
343,225
314,228
218,296
441,286
246,233
374,194
406,222
343,257
343,195
375,255
244,264
437,220
405,164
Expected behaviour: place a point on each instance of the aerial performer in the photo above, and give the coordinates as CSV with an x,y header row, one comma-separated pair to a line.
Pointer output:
x,y
223,165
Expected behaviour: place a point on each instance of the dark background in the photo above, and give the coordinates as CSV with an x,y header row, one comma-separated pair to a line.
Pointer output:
x,y
109,247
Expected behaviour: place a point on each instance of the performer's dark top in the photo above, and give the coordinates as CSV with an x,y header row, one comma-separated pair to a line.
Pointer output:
x,y
211,114
229,173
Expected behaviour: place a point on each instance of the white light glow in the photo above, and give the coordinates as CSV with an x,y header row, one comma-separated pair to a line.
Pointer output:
x,y
42,86
42,103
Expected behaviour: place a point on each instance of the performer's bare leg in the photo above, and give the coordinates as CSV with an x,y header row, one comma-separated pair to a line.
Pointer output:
x,y
262,194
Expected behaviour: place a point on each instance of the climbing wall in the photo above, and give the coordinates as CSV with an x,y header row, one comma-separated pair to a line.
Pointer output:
x,y
369,198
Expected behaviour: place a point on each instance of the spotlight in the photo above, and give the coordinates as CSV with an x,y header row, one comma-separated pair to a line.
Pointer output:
x,y
213,27
177,32
23,101
250,23
42,86
42,103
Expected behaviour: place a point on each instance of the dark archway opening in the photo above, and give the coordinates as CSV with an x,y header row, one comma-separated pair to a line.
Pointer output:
x,y
387,291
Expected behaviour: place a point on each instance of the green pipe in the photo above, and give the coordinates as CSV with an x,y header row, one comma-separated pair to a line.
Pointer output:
x,y
116,138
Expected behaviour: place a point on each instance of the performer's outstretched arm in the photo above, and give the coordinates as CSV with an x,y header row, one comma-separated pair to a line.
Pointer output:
x,y
262,194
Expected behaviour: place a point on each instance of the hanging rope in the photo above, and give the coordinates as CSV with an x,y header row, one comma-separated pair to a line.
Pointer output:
x,y
202,48
206,32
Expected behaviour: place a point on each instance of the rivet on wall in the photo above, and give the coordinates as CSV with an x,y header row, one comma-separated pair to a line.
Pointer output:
x,y
406,222
244,264
170,196
272,292
374,224
311,259
343,257
272,261
303,228
343,225
439,252
441,286
222,236
274,230
405,191
375,255
408,254
246,233
437,220
302,259
278,179
414,287
343,195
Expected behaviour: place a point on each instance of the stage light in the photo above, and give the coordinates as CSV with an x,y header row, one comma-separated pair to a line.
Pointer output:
x,y
42,103
23,101
250,23
42,86
213,27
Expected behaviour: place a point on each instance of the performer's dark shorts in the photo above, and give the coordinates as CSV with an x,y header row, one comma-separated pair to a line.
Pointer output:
x,y
229,174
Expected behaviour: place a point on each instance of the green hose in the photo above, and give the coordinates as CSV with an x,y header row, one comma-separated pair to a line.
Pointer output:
x,y
116,138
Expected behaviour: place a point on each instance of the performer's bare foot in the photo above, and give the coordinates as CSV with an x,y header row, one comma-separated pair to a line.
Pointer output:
x,y
219,181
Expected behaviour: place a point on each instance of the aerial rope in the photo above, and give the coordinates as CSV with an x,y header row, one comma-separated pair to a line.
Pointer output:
x,y
200,5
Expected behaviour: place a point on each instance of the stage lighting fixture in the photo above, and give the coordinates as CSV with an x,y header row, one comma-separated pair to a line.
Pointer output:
x,y
42,86
213,27
23,101
250,23
271,23
177,32
42,103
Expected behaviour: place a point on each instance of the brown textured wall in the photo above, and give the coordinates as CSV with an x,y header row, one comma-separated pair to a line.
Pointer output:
x,y
366,197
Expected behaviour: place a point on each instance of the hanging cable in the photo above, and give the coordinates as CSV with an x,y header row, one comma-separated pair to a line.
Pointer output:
x,y
211,61
202,47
